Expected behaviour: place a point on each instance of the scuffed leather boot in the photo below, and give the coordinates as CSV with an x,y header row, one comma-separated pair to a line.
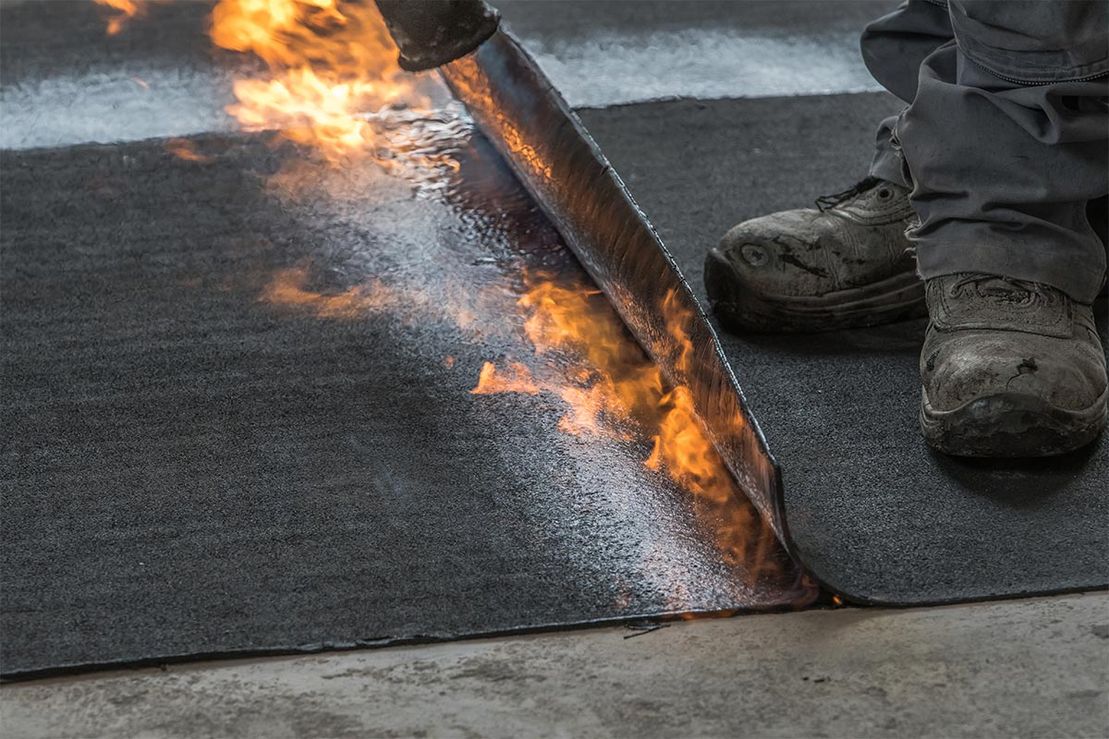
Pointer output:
x,y
846,264
1009,369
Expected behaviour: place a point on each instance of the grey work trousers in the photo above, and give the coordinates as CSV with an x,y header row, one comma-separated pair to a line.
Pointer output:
x,y
1005,140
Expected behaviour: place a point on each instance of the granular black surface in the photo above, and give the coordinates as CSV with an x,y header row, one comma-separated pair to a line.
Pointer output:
x,y
871,509
237,414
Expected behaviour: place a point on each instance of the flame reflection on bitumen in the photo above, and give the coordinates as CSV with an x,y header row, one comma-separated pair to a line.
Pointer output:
x,y
475,243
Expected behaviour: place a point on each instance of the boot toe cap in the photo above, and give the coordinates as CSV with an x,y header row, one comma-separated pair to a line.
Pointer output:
x,y
1007,394
1064,374
772,256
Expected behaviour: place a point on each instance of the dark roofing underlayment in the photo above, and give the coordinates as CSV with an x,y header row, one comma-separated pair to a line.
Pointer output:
x,y
238,417
204,455
871,510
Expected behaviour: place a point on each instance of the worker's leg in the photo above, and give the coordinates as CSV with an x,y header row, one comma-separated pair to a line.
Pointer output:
x,y
1006,142
893,48
1004,147
1006,139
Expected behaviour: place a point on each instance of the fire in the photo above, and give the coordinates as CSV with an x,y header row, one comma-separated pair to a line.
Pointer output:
x,y
612,379
330,63
125,11
184,149
609,384
331,72
288,288
514,378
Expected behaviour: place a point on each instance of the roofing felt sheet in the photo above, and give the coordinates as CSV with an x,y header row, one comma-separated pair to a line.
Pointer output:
x,y
870,508
238,414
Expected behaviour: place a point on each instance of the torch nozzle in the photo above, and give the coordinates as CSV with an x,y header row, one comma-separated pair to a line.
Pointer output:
x,y
430,33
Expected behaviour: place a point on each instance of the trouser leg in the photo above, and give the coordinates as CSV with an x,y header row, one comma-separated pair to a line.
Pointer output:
x,y
1097,212
1003,170
893,48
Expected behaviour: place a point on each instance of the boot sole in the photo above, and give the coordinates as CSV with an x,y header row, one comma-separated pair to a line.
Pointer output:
x,y
893,299
1010,425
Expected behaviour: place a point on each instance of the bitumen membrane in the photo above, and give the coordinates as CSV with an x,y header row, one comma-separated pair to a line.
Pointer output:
x,y
237,387
225,376
873,512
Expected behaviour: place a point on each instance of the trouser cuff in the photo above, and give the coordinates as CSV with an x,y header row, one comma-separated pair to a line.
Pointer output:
x,y
889,162
1075,274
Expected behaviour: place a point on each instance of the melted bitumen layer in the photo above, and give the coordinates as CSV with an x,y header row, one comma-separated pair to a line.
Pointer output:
x,y
190,467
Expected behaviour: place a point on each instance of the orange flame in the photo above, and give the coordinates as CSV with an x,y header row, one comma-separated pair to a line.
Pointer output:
x,y
515,378
125,11
612,377
287,288
330,63
186,150
608,383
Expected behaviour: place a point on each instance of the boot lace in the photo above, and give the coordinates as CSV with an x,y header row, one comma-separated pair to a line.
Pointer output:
x,y
825,202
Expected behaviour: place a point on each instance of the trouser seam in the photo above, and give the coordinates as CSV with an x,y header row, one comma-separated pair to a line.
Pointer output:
x,y
1031,83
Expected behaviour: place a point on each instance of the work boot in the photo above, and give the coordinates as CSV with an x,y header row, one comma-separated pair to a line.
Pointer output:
x,y
843,265
1009,369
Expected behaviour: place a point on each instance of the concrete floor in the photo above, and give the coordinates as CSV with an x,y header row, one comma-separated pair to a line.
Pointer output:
x,y
1007,669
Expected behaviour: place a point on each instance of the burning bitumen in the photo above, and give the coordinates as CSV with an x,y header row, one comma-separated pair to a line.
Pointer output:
x,y
328,63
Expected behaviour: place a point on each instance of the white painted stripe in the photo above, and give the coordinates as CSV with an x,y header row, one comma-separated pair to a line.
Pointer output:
x,y
616,69
137,102
119,106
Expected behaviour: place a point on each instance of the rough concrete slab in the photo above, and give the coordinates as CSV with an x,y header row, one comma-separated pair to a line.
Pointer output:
x,y
1031,668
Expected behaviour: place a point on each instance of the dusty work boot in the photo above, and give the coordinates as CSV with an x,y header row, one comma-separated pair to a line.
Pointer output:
x,y
845,264
1009,369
